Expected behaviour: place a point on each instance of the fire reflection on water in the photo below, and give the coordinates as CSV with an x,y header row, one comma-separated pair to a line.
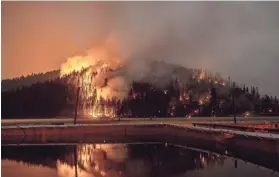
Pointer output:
x,y
109,160
95,160
115,160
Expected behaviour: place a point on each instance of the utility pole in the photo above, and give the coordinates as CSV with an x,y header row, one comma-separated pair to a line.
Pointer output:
x,y
75,158
76,108
118,114
233,96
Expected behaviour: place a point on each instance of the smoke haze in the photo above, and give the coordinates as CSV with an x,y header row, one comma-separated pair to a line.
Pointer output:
x,y
237,39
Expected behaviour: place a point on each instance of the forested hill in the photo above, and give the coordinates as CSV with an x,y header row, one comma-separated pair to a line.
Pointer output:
x,y
188,92
12,84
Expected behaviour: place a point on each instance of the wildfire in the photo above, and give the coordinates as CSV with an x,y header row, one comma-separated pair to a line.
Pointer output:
x,y
202,75
101,86
75,64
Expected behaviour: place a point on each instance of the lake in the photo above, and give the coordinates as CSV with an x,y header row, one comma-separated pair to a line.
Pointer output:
x,y
122,160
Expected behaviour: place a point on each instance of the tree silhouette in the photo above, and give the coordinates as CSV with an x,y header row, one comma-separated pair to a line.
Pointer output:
x,y
213,101
51,98
247,90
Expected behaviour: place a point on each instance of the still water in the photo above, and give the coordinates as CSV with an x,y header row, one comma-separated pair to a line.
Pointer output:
x,y
121,160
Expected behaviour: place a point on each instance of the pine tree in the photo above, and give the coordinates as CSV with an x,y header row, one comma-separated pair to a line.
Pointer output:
x,y
213,101
247,90
258,95
190,97
233,84
253,91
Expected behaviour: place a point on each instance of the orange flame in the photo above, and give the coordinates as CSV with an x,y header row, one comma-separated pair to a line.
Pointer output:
x,y
97,90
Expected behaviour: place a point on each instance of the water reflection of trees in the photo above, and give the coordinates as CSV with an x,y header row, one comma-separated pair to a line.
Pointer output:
x,y
114,160
35,155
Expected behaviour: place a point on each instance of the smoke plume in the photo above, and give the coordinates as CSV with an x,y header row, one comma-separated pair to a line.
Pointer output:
x,y
238,39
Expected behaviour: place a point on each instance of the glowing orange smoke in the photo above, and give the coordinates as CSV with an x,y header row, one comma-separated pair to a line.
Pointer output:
x,y
75,64
95,75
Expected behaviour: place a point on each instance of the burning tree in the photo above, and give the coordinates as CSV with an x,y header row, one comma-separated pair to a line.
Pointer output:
x,y
99,76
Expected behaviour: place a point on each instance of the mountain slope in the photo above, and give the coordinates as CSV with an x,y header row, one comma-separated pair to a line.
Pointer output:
x,y
11,84
164,90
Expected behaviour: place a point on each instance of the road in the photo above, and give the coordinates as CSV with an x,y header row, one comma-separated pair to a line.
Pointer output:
x,y
48,121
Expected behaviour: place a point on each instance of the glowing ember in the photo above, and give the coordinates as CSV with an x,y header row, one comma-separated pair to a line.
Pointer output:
x,y
247,114
202,75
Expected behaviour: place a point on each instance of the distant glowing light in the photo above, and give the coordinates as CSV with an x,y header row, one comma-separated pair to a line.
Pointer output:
x,y
180,98
247,114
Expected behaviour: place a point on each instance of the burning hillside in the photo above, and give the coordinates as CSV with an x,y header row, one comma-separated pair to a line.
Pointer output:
x,y
104,81
109,88
99,77
111,85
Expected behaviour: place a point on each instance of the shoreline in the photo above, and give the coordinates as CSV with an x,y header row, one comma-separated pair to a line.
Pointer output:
x,y
153,131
